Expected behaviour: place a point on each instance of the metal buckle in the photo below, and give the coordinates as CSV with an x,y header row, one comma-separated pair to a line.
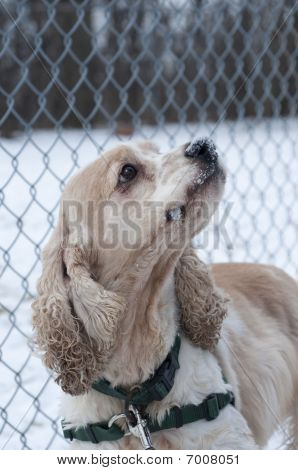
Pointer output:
x,y
120,416
138,427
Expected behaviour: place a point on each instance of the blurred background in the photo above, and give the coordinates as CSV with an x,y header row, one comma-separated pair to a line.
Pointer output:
x,y
77,76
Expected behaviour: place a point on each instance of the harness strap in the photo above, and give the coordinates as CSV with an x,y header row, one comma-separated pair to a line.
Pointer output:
x,y
95,433
175,418
154,389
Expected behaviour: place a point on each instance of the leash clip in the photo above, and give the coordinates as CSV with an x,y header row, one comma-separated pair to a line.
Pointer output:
x,y
120,416
138,427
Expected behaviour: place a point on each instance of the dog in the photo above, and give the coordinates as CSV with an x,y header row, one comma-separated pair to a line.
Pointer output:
x,y
125,306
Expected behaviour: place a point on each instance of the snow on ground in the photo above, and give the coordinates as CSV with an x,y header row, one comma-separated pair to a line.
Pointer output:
x,y
260,210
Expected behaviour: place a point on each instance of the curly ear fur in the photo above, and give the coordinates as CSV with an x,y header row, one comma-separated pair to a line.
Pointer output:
x,y
202,307
75,318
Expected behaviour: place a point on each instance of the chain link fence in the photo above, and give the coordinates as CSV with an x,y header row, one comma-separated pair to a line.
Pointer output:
x,y
78,75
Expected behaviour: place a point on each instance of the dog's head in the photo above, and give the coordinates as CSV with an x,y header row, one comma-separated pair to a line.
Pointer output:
x,y
130,212
129,194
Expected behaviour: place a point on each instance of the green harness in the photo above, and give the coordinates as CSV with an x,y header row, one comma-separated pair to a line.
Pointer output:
x,y
154,389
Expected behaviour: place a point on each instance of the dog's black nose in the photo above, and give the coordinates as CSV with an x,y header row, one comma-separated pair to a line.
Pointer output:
x,y
203,150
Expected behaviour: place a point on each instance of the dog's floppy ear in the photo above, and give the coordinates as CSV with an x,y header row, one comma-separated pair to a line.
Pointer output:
x,y
202,307
74,317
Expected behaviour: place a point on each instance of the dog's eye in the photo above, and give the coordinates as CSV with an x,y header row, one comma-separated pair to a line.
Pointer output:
x,y
127,174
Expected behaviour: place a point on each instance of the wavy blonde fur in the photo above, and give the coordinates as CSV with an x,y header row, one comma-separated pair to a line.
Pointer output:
x,y
74,317
202,307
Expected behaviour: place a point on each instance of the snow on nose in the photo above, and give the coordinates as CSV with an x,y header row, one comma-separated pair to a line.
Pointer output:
x,y
202,149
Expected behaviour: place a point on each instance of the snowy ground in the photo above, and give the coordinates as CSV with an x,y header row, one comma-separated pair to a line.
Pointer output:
x,y
260,204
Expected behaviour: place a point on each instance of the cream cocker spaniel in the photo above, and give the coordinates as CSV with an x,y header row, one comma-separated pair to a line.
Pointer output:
x,y
150,347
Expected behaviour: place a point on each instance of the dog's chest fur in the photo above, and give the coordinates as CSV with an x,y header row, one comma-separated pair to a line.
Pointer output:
x,y
198,376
